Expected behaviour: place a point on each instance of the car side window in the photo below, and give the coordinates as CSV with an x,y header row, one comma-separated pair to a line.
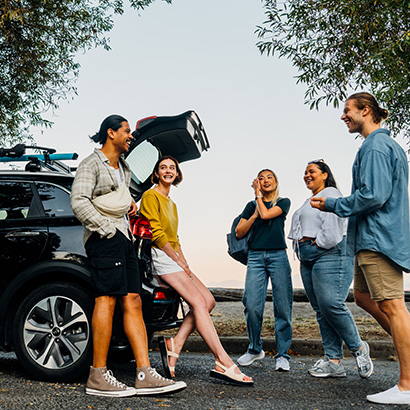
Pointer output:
x,y
56,201
16,199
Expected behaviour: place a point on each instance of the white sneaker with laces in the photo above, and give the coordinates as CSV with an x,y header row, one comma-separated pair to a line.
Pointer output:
x,y
282,364
248,358
363,361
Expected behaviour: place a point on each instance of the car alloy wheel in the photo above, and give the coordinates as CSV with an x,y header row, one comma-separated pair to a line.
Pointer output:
x,y
53,331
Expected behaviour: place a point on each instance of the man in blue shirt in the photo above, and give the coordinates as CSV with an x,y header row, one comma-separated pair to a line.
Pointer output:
x,y
378,231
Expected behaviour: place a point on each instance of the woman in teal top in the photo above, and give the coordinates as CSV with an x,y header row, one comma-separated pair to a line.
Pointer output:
x,y
169,262
264,219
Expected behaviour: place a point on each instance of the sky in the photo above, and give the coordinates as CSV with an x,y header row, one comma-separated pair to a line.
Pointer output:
x,y
201,55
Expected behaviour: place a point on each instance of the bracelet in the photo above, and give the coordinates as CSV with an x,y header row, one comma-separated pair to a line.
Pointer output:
x,y
259,196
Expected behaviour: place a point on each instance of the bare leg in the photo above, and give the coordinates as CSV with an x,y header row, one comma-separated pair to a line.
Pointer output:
x,y
188,325
135,328
396,311
102,328
364,301
189,290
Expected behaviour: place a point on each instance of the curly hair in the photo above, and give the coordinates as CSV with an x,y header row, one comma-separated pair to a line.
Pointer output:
x,y
154,177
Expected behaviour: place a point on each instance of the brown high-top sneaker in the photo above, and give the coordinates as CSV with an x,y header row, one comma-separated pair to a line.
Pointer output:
x,y
101,382
148,381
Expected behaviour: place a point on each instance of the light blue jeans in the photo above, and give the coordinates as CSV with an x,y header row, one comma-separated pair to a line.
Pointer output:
x,y
262,265
327,275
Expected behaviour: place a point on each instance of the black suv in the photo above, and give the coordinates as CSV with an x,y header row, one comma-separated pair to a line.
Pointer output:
x,y
46,301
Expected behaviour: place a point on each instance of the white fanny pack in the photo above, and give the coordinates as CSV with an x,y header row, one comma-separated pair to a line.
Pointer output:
x,y
115,204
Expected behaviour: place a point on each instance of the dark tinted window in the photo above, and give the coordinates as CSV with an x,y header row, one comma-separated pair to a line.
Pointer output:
x,y
16,198
56,202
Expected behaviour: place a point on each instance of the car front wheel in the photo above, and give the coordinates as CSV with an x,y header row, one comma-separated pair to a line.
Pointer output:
x,y
52,332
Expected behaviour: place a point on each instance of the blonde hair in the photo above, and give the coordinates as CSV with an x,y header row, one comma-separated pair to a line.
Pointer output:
x,y
276,196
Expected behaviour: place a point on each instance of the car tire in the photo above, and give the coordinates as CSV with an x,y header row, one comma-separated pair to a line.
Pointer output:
x,y
52,332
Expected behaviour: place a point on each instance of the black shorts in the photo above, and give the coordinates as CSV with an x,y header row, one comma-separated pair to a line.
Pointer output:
x,y
114,265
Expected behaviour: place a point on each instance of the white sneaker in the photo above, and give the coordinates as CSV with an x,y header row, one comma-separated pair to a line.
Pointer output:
x,y
391,396
282,364
248,358
363,361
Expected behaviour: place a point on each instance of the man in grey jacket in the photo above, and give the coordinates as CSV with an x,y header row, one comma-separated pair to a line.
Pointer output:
x,y
114,266
378,231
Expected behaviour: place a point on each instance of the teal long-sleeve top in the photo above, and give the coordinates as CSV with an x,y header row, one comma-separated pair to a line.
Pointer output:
x,y
378,207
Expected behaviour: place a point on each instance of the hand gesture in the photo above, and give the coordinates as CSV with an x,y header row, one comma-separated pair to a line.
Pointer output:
x,y
256,186
318,202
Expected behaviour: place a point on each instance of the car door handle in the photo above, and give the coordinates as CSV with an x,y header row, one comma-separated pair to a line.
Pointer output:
x,y
22,234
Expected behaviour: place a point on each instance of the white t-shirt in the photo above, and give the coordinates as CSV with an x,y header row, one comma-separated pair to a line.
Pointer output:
x,y
119,173
326,227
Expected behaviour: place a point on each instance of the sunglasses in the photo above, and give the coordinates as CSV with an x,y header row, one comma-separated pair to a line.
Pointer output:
x,y
316,160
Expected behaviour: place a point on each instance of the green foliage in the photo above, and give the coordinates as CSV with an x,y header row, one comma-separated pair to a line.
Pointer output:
x,y
39,40
344,45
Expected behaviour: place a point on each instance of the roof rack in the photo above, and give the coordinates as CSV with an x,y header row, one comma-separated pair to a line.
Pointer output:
x,y
48,159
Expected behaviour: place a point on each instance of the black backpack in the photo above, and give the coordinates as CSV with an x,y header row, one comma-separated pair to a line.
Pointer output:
x,y
238,248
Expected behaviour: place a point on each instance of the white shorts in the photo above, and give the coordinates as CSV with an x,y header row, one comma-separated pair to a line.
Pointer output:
x,y
162,264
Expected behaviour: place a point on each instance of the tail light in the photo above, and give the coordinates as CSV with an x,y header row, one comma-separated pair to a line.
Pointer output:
x,y
145,121
140,227
159,296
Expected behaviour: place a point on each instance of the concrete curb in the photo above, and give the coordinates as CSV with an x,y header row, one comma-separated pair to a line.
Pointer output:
x,y
380,349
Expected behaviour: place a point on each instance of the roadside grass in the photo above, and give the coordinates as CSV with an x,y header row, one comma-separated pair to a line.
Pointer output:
x,y
303,328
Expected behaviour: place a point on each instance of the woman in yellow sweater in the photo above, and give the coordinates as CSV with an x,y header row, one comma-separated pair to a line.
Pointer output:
x,y
169,262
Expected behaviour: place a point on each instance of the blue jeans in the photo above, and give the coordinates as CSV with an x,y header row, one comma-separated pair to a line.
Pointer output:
x,y
262,265
327,275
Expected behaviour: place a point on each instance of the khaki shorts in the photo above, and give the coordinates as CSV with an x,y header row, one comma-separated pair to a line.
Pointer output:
x,y
378,275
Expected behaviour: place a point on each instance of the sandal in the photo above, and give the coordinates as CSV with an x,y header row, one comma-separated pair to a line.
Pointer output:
x,y
229,375
165,354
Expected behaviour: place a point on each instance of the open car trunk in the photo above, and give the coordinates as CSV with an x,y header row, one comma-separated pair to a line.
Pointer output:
x,y
181,136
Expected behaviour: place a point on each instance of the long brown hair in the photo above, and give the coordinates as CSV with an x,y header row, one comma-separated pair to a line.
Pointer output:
x,y
323,167
364,99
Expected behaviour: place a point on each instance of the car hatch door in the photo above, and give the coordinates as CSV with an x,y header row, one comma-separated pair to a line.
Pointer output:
x,y
181,136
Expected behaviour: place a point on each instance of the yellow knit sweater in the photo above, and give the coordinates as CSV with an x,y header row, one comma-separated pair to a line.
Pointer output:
x,y
163,216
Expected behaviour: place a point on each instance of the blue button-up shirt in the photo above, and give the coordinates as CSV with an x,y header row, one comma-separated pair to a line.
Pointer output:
x,y
379,204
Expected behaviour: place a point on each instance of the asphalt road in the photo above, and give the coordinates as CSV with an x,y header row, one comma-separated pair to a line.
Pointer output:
x,y
272,390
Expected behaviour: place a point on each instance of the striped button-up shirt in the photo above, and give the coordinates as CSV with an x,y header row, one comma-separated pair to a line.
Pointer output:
x,y
95,177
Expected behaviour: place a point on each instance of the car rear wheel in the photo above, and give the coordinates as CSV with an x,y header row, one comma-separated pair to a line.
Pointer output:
x,y
52,332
